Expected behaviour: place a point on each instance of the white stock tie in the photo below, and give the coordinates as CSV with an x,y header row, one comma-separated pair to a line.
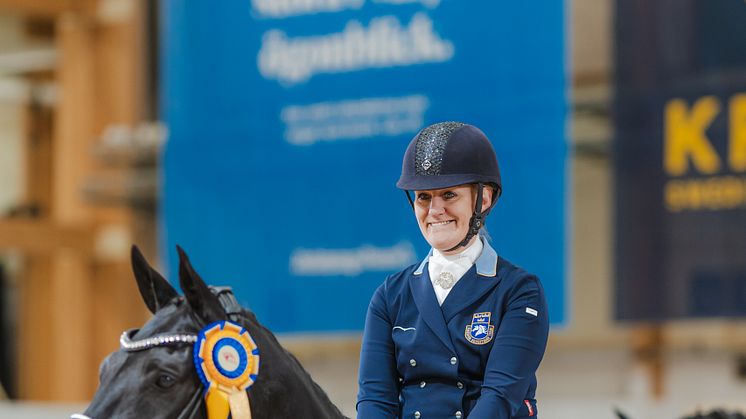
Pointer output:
x,y
446,271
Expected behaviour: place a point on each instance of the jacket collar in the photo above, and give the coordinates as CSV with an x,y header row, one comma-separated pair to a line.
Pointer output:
x,y
486,263
468,290
476,282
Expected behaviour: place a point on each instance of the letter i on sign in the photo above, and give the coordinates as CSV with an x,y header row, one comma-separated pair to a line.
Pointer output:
x,y
737,128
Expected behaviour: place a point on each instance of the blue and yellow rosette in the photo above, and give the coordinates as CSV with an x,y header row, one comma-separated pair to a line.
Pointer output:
x,y
227,361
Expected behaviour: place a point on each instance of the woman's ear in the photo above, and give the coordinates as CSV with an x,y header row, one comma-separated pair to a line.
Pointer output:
x,y
487,192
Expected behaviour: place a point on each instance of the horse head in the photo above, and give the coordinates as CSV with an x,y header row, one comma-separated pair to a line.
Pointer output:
x,y
715,414
153,374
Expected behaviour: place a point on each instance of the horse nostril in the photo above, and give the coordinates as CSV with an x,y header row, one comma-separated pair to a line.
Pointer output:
x,y
79,416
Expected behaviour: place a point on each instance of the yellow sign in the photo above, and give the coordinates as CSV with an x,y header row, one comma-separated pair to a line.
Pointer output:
x,y
716,182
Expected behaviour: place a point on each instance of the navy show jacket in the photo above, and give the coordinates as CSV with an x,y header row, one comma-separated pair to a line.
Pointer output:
x,y
475,356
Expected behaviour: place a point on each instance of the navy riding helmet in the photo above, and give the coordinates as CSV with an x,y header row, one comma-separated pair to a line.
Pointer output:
x,y
448,154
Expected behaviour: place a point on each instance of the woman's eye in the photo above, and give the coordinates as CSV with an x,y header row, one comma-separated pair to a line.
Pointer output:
x,y
165,381
449,195
423,197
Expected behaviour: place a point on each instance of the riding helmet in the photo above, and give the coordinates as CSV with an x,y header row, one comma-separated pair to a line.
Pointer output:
x,y
448,154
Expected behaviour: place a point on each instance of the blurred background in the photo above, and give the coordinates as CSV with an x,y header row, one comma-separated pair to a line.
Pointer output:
x,y
265,137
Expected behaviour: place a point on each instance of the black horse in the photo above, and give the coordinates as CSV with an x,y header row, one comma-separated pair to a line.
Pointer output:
x,y
715,414
153,374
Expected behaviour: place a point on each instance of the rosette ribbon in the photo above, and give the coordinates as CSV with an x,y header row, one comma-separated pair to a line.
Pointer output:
x,y
227,361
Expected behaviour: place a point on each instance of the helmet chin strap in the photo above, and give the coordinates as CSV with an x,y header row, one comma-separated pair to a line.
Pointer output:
x,y
476,222
409,198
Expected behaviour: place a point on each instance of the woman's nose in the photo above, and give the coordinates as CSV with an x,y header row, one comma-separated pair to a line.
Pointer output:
x,y
437,206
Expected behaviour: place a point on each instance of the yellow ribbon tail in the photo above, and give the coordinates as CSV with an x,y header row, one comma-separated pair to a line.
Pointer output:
x,y
239,402
217,404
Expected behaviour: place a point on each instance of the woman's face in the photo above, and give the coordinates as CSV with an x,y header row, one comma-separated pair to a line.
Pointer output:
x,y
443,214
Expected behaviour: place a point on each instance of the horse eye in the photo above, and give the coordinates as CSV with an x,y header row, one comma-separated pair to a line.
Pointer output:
x,y
165,381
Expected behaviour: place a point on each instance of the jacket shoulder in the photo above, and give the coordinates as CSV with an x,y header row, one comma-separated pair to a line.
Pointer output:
x,y
396,282
393,291
512,275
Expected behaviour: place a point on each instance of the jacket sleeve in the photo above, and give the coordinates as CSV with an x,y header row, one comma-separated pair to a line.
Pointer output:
x,y
378,395
518,349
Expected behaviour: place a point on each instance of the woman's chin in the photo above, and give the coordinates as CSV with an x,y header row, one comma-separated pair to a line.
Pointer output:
x,y
443,244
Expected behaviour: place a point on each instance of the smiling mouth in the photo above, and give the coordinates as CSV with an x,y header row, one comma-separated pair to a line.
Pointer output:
x,y
440,223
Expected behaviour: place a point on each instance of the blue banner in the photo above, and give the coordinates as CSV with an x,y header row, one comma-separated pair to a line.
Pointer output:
x,y
288,121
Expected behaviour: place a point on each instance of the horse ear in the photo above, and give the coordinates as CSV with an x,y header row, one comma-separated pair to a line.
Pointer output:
x,y
197,293
155,290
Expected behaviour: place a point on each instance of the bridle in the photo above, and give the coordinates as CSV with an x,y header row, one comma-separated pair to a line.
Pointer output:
x,y
232,309
170,339
167,339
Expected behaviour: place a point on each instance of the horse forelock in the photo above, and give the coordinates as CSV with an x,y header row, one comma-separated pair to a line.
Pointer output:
x,y
176,317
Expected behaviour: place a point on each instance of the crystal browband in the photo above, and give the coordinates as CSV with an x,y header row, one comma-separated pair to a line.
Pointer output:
x,y
126,342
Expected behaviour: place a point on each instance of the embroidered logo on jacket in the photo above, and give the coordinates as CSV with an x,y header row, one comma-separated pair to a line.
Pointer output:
x,y
480,331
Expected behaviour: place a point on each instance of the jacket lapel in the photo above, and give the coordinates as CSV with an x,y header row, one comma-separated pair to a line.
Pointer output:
x,y
470,288
427,304
476,282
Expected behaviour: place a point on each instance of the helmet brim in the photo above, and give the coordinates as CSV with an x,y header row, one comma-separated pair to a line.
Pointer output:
x,y
425,183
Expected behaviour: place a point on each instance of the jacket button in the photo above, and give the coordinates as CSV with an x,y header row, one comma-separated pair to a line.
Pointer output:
x,y
423,384
454,361
417,415
412,362
460,384
458,414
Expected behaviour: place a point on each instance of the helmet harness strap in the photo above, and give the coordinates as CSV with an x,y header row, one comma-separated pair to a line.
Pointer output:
x,y
409,198
476,222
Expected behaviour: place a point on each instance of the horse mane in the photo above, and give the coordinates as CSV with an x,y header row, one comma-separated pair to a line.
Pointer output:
x,y
717,414
714,414
322,398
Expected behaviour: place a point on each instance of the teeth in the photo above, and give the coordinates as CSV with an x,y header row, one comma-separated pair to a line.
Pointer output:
x,y
442,223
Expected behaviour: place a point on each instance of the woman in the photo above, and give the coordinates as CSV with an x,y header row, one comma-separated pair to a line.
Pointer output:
x,y
462,333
